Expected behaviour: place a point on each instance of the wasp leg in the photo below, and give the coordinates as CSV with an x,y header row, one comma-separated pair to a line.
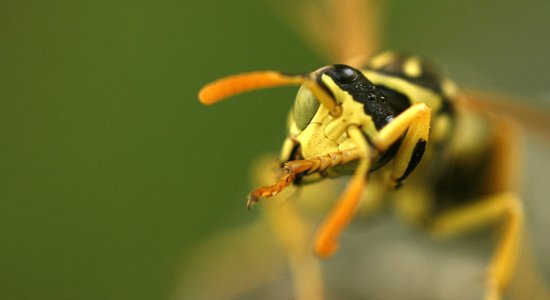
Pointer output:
x,y
294,167
415,124
322,162
269,191
501,205
326,240
292,232
504,207
340,216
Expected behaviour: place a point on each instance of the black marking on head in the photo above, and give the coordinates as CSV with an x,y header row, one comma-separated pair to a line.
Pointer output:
x,y
398,101
416,156
363,91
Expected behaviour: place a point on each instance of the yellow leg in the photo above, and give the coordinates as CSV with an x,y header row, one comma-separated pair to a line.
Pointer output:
x,y
294,167
343,212
415,122
293,234
413,203
504,207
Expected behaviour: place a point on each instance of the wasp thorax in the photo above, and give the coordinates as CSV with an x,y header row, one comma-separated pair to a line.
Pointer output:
x,y
305,107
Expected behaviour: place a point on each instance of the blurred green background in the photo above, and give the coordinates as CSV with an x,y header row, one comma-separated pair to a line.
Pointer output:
x,y
110,168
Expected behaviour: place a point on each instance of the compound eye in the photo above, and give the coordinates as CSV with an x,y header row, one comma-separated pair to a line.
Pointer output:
x,y
342,74
305,107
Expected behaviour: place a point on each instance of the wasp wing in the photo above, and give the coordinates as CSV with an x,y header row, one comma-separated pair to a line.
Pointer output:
x,y
532,116
344,31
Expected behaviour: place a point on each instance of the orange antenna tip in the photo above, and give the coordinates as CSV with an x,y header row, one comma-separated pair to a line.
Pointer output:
x,y
240,83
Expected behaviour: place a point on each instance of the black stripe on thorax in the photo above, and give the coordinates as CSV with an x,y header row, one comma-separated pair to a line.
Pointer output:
x,y
429,77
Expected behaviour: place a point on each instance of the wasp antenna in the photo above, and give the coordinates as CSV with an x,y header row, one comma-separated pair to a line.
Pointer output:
x,y
240,83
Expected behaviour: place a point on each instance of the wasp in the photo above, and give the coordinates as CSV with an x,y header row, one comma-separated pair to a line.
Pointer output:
x,y
395,120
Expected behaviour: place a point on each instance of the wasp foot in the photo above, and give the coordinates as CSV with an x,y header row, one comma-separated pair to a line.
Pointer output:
x,y
269,191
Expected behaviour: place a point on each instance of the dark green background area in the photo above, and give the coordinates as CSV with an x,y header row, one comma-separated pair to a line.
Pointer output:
x,y
110,169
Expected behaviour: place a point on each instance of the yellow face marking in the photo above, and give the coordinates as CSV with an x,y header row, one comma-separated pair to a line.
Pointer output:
x,y
412,67
352,113
382,59
326,133
313,140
